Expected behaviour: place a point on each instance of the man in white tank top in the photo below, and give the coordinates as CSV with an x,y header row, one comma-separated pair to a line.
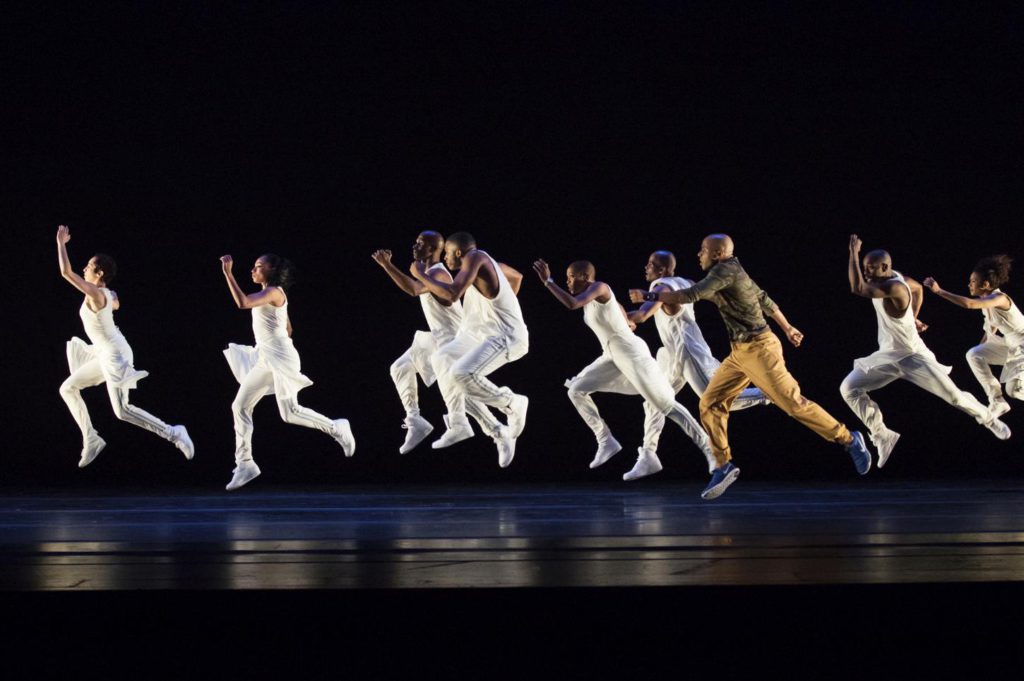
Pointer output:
x,y
684,356
625,366
492,334
443,319
901,352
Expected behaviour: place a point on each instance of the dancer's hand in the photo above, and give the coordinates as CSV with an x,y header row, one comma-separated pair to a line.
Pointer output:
x,y
418,269
637,295
63,235
795,336
542,270
855,243
931,285
382,257
226,262
921,326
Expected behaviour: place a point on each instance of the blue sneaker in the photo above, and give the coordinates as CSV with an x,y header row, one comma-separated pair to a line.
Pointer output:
x,y
721,478
859,453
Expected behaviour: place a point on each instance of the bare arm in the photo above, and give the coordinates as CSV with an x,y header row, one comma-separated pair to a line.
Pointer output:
x,y
647,310
858,285
402,280
916,301
514,276
452,291
596,291
795,335
271,295
998,300
96,298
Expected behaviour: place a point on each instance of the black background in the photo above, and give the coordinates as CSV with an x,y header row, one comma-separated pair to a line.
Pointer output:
x,y
167,134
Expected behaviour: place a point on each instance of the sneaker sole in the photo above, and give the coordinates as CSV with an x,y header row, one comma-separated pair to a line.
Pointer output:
x,y
719,489
437,444
82,463
243,483
882,460
604,459
414,443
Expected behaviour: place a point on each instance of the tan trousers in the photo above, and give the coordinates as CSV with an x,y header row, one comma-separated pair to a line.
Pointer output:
x,y
760,362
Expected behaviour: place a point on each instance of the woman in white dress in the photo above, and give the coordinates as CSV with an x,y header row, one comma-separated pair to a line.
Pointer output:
x,y
107,358
1003,339
272,367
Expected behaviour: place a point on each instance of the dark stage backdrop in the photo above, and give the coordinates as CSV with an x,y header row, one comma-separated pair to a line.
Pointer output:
x,y
168,134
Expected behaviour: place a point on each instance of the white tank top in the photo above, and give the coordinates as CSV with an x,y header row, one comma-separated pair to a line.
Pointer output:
x,y
898,333
605,319
1010,323
672,328
99,326
442,321
498,316
270,323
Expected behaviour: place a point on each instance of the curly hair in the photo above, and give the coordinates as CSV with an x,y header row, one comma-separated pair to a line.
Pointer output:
x,y
994,269
282,271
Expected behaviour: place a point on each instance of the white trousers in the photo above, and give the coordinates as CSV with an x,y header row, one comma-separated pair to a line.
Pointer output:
x,y
627,367
923,373
415,360
253,387
981,358
462,366
90,374
680,374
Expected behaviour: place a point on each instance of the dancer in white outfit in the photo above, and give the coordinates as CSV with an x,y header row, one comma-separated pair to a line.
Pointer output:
x,y
492,334
684,357
901,353
1003,339
270,368
108,359
625,366
443,319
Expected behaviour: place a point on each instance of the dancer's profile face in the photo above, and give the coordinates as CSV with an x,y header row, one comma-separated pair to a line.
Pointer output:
x,y
978,286
260,270
654,269
91,274
877,268
422,249
452,257
577,282
705,256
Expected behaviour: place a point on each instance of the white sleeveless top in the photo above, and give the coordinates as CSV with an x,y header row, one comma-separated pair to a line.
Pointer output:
x,y
606,320
269,323
897,337
1010,323
442,321
680,333
498,316
99,326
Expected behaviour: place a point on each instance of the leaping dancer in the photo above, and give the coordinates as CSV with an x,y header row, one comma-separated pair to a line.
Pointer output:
x,y
901,352
106,359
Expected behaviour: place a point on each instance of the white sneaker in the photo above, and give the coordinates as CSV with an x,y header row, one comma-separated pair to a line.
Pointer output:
x,y
457,433
506,446
885,443
181,440
517,414
606,449
998,428
419,428
91,449
647,463
245,472
342,432
998,407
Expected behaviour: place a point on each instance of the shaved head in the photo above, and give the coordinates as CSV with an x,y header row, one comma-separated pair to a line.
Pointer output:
x,y
666,259
721,242
463,241
432,239
877,265
879,256
584,267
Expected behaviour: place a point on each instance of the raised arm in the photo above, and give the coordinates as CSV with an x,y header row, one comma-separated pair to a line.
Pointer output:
x,y
450,291
91,291
596,291
514,276
858,285
999,300
402,280
271,295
